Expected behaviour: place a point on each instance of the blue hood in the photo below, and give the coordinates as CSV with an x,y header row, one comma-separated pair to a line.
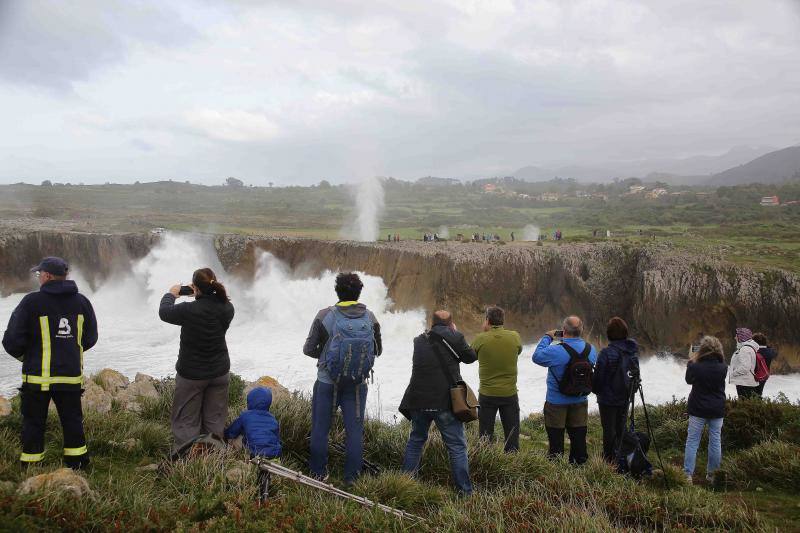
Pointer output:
x,y
259,399
66,286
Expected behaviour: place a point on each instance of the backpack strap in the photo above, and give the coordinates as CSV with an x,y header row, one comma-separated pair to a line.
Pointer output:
x,y
433,340
587,349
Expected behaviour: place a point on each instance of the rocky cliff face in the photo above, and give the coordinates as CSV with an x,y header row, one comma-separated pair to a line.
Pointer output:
x,y
666,297
94,255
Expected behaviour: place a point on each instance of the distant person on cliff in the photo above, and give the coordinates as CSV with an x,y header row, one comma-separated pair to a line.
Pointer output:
x,y
705,372
768,353
427,397
48,332
616,364
512,236
345,339
569,381
200,404
498,350
743,364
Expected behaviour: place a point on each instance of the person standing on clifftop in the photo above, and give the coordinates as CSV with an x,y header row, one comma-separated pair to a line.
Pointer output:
x,y
345,339
743,364
200,403
48,332
568,386
498,350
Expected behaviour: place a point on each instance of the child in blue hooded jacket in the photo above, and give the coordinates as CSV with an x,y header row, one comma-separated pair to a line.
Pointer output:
x,y
260,427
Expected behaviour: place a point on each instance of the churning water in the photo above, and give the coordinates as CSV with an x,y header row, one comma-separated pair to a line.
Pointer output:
x,y
273,315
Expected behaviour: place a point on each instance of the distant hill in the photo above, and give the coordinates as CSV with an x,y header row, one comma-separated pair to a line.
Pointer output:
x,y
774,167
688,170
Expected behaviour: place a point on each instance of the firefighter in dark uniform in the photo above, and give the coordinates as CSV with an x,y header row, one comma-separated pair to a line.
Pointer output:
x,y
49,331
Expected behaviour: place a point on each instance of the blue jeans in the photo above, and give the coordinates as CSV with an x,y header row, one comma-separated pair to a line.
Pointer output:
x,y
452,431
322,410
695,433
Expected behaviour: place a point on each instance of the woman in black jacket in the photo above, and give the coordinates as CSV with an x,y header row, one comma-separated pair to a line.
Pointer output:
x,y
200,404
705,372
616,365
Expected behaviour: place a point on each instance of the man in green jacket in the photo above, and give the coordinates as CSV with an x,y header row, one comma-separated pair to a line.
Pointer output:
x,y
498,349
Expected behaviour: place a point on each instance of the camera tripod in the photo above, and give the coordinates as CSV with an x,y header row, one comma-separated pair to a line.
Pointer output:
x,y
634,388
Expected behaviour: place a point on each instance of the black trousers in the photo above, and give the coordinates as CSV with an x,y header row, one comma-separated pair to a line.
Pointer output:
x,y
747,392
612,419
509,417
34,407
577,443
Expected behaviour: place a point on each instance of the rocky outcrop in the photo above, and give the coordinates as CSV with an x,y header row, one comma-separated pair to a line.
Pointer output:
x,y
666,296
108,387
94,255
61,481
5,407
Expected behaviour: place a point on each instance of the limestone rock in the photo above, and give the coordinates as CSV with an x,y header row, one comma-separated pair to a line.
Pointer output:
x,y
129,398
111,380
238,472
143,377
152,467
95,398
270,382
63,480
5,407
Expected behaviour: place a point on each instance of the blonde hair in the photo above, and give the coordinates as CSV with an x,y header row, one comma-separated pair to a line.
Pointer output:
x,y
710,347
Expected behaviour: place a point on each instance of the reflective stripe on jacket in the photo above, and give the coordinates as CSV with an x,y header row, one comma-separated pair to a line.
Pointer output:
x,y
49,331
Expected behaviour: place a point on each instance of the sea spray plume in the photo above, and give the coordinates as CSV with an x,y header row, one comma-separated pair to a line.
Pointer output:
x,y
444,233
530,233
369,206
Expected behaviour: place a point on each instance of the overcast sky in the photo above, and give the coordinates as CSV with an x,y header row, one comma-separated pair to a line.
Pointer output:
x,y
120,90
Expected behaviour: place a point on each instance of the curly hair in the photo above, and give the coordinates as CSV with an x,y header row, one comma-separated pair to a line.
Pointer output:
x,y
348,286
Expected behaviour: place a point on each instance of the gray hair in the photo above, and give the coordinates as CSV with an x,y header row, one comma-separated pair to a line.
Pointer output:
x,y
709,347
572,326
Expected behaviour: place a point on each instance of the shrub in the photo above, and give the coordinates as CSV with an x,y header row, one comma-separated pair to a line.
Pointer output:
x,y
770,463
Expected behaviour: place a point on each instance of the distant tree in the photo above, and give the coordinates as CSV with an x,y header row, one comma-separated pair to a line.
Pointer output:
x,y
47,183
324,184
270,184
234,182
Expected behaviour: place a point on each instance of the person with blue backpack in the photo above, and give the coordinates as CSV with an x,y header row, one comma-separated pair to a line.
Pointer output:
x,y
611,382
569,366
345,339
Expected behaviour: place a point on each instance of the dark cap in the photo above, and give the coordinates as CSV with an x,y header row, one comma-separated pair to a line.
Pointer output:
x,y
52,265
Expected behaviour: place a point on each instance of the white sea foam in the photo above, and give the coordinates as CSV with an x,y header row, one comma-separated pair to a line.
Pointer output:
x,y
273,315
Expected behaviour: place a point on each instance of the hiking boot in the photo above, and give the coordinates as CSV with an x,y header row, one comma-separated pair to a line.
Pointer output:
x,y
688,479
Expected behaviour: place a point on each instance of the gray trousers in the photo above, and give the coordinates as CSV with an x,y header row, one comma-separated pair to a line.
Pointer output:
x,y
199,406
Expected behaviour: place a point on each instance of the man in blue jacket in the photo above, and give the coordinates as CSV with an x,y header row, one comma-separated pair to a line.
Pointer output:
x,y
48,332
561,410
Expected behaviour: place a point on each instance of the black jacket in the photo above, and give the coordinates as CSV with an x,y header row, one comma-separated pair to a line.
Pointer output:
x,y
429,388
608,384
203,353
318,335
707,378
769,354
49,331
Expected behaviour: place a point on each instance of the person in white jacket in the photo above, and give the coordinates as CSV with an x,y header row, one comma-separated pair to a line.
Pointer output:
x,y
743,364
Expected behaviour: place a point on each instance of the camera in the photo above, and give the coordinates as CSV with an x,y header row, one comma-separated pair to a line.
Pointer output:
x,y
559,333
185,290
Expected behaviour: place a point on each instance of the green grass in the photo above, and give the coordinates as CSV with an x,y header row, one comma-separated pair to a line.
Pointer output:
x,y
524,491
727,223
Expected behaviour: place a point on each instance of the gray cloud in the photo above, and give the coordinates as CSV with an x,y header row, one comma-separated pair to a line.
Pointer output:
x,y
271,91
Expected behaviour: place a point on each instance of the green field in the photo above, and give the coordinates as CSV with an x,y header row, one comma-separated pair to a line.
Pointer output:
x,y
727,222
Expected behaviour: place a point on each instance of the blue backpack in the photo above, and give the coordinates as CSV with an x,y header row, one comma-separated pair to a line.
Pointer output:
x,y
350,352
